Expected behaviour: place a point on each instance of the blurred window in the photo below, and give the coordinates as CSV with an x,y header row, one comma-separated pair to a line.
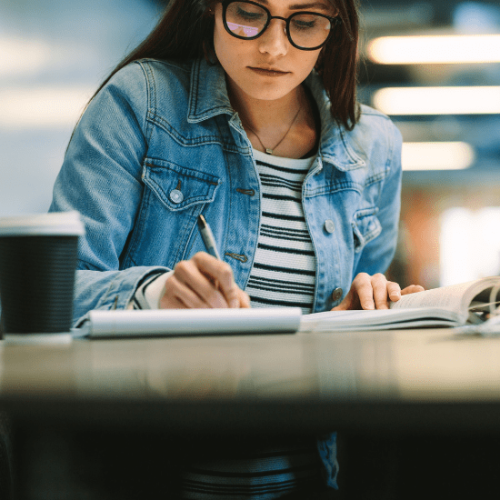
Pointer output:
x,y
53,56
469,244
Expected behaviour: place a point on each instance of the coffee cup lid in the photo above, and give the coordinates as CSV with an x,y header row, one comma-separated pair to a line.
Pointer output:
x,y
53,223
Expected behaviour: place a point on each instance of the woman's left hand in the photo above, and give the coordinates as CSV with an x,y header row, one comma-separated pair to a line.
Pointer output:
x,y
373,292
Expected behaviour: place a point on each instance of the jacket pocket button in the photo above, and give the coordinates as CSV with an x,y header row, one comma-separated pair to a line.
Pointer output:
x,y
176,196
337,294
329,226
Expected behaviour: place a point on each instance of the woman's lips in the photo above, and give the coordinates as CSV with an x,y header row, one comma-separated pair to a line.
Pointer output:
x,y
268,72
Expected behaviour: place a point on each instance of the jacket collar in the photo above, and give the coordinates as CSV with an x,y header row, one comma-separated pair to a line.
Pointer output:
x,y
208,98
335,146
208,93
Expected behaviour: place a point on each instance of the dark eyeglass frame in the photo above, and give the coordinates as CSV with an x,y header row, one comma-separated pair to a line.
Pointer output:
x,y
334,22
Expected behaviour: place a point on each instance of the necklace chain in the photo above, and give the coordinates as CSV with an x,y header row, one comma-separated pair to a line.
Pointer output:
x,y
269,151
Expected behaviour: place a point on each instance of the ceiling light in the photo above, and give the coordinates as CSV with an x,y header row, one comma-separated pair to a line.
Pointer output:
x,y
437,155
436,49
438,100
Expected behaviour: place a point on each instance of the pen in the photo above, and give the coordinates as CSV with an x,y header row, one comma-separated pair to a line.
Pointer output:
x,y
208,237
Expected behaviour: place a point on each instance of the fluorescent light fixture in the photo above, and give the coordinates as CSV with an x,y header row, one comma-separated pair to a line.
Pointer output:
x,y
19,56
438,100
437,155
436,49
49,107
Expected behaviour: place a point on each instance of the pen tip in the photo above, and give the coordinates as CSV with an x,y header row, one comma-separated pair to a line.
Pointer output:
x,y
201,221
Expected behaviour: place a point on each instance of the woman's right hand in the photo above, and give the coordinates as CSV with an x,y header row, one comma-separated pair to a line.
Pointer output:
x,y
202,282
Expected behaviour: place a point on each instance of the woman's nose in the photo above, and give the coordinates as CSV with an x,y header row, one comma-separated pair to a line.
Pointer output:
x,y
274,40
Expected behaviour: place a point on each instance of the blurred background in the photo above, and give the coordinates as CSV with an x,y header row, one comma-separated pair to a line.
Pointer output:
x,y
433,66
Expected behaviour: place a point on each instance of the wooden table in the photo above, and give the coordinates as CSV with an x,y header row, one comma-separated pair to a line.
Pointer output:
x,y
424,384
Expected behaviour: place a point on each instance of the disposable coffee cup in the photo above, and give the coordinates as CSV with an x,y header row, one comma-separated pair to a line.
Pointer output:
x,y
38,255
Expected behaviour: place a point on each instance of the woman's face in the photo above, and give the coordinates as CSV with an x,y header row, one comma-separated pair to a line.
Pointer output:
x,y
268,67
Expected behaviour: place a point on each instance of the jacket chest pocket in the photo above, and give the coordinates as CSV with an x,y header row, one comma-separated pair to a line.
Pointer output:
x,y
366,227
179,188
174,197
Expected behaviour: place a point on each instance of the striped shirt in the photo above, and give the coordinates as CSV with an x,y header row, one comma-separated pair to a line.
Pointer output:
x,y
284,269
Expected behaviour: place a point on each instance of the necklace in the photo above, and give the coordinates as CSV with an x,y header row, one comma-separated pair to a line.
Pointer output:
x,y
269,151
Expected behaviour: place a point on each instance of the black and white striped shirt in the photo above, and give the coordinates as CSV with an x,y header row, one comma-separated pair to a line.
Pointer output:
x,y
284,269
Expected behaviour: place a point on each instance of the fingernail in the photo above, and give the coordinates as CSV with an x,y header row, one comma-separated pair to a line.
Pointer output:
x,y
369,305
234,304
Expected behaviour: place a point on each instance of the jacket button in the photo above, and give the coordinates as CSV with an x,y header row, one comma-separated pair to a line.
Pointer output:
x,y
336,294
329,226
176,196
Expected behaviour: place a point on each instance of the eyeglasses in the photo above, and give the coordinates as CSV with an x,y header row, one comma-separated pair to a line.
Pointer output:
x,y
305,30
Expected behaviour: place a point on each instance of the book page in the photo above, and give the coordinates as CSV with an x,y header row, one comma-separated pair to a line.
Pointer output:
x,y
454,297
378,319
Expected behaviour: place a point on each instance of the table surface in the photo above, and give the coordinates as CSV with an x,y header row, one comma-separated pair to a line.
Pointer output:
x,y
359,380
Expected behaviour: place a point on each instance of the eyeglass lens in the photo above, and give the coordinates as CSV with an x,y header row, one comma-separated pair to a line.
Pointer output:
x,y
248,20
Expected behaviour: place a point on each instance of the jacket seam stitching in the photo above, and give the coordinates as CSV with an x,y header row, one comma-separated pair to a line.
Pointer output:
x,y
228,170
151,91
388,163
139,228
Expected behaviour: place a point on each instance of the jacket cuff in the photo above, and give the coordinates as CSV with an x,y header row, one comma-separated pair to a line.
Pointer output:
x,y
149,293
106,290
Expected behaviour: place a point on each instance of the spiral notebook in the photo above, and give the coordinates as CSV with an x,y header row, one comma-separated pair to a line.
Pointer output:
x,y
185,322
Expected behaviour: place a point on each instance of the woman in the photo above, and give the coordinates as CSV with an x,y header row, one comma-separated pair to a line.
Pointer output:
x,y
244,112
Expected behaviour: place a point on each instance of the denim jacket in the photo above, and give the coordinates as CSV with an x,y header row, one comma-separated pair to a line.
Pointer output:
x,y
161,144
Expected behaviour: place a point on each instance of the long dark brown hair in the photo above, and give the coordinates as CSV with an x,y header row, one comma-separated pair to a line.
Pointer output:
x,y
186,30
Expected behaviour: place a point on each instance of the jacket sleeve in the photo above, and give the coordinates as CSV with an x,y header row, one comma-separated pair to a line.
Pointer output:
x,y
101,178
377,254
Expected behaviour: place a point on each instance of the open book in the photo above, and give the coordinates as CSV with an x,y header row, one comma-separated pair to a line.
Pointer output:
x,y
454,305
